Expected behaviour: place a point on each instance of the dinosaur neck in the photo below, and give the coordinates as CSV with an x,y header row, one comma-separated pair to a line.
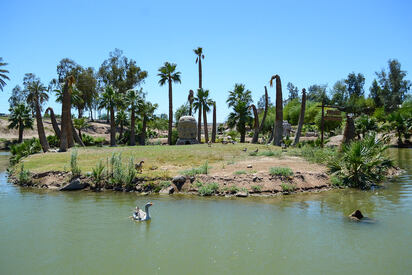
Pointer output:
x,y
147,212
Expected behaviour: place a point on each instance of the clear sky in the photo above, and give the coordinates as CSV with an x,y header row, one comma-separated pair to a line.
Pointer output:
x,y
305,42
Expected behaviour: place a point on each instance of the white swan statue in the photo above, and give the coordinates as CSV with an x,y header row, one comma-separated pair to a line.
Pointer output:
x,y
140,215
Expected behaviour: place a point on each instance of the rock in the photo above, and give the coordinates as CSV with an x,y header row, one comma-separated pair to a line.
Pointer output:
x,y
179,181
75,184
192,179
249,166
187,130
139,188
356,215
168,190
242,194
256,178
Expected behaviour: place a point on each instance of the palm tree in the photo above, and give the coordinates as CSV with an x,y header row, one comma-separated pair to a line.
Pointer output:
x,y
54,122
279,111
110,99
80,124
259,127
168,73
190,99
37,96
66,139
214,123
197,105
146,110
205,102
134,99
121,120
20,118
199,57
301,117
3,74
239,99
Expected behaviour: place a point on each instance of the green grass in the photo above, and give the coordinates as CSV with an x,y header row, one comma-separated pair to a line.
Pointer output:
x,y
208,189
165,184
314,154
281,171
203,169
267,153
256,188
286,187
240,172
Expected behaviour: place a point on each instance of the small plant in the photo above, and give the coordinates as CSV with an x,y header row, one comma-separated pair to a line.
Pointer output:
x,y
253,153
208,189
99,141
281,171
73,165
98,174
24,149
233,189
198,184
117,174
129,174
87,140
240,172
203,169
256,188
165,184
243,189
287,187
24,176
53,141
336,181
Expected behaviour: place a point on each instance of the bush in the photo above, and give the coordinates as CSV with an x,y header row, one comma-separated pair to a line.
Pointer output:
x,y
203,169
117,174
256,188
175,136
73,165
233,189
99,141
53,141
98,173
165,184
362,163
24,176
281,171
287,187
87,140
24,149
336,181
208,189
130,174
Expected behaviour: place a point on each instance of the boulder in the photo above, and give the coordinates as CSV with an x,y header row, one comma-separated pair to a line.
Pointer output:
x,y
249,166
179,181
356,215
168,190
242,194
73,185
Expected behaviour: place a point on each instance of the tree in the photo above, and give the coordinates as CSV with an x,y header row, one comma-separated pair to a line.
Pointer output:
x,y
20,118
375,92
54,122
3,74
80,124
239,99
365,124
317,93
121,120
37,95
18,95
214,123
86,84
197,106
393,86
259,127
66,139
262,102
147,114
301,117
354,84
339,93
199,57
109,99
134,99
278,135
202,104
183,110
167,73
293,91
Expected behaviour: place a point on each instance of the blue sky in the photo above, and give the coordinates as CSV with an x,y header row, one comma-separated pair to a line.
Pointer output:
x,y
305,42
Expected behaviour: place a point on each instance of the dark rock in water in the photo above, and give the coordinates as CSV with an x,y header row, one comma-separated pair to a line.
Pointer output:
x,y
356,215
179,181
168,190
75,184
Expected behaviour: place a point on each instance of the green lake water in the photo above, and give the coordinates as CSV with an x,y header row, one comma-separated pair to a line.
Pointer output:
x,y
45,232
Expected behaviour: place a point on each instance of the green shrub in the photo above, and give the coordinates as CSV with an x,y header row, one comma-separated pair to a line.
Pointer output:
x,y
287,187
175,136
239,172
208,189
87,140
336,181
98,173
24,176
24,149
233,189
198,184
129,174
117,174
53,141
165,184
203,169
73,165
256,188
99,141
362,163
281,171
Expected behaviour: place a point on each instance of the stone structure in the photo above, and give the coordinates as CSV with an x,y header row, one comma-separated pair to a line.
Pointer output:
x,y
187,131
287,128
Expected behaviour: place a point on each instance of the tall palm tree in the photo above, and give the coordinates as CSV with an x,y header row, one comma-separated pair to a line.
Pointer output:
x,y
134,99
197,106
301,117
190,98
214,123
3,74
199,57
37,96
206,103
277,140
66,139
259,127
146,111
20,118
239,99
110,99
167,73
121,120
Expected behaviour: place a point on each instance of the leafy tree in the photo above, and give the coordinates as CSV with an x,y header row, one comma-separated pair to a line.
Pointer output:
x,y
375,92
20,118
134,100
183,110
259,126
80,124
293,91
37,95
262,102
87,85
239,100
18,95
354,84
3,74
109,99
167,73
146,114
301,117
317,93
401,123
339,93
393,86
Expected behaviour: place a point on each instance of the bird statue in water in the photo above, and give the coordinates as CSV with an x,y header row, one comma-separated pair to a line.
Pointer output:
x,y
140,215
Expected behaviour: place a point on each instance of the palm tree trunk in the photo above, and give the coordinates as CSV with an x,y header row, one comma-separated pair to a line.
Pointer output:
x,y
40,129
169,135
301,117
54,122
265,112
21,129
200,71
80,113
205,125
214,123
91,115
143,134
277,140
76,137
65,118
199,125
112,128
132,141
121,131
256,124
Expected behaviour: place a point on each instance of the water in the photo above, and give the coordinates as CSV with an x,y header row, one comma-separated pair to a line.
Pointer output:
x,y
45,232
